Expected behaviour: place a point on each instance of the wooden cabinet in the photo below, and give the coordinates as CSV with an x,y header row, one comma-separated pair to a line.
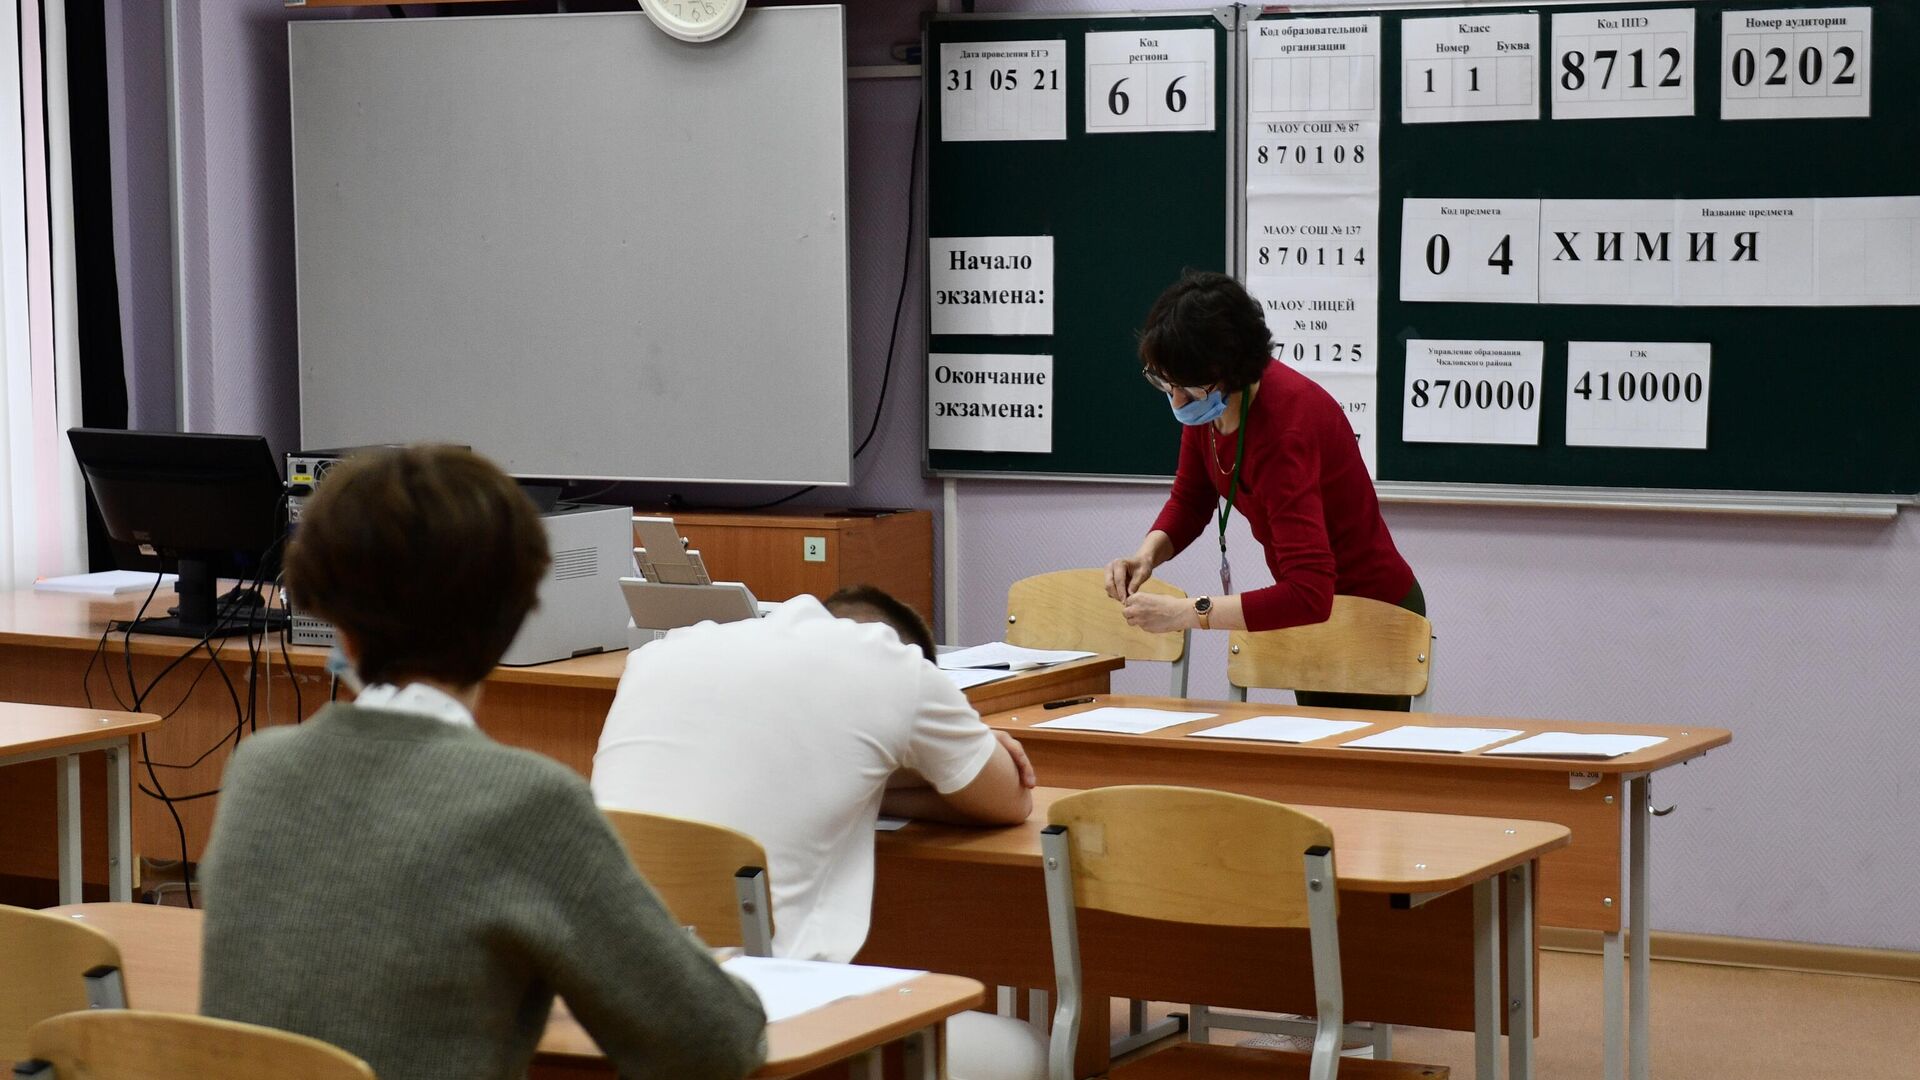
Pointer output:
x,y
769,552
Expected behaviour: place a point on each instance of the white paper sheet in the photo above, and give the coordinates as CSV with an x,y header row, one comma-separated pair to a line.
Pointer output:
x,y
1567,744
1313,236
1470,66
1477,250
1784,63
104,583
1472,392
1321,326
1609,251
1119,721
990,401
1622,63
1281,729
1449,740
993,91
990,284
1357,393
1150,80
1638,393
1744,252
883,823
788,988
1314,69
967,678
999,654
1869,250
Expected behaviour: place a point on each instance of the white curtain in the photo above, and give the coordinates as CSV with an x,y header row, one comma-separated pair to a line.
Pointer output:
x,y
41,512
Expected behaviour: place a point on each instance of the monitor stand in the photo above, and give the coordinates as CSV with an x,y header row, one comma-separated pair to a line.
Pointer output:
x,y
201,613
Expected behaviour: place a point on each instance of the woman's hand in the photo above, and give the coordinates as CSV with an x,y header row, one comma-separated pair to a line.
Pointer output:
x,y
1160,614
1126,575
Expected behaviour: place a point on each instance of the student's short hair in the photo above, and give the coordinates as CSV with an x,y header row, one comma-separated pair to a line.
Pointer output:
x,y
1206,331
867,603
429,557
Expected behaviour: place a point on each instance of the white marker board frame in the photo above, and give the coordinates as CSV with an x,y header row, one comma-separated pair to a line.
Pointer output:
x,y
506,237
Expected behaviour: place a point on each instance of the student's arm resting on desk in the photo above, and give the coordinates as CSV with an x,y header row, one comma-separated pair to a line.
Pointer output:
x,y
643,987
968,774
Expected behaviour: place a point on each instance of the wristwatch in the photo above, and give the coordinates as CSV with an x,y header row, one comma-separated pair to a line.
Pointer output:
x,y
1203,607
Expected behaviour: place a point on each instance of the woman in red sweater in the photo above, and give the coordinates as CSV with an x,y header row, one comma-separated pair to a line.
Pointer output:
x,y
1301,483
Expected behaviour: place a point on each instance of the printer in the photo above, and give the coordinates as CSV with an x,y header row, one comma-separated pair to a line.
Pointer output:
x,y
580,610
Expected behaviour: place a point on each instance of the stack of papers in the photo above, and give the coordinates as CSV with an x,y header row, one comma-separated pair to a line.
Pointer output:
x,y
105,583
967,678
1446,740
1283,729
999,654
1566,744
1118,721
788,988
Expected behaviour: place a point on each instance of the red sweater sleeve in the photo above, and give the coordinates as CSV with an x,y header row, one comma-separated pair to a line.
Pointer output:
x,y
1286,475
1191,504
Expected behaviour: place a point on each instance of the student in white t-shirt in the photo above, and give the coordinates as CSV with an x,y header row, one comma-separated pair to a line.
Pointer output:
x,y
799,729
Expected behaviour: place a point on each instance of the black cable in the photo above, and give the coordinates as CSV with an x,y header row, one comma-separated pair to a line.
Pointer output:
x,y
299,707
906,271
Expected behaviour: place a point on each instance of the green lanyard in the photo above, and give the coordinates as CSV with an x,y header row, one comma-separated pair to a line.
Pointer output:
x,y
1233,489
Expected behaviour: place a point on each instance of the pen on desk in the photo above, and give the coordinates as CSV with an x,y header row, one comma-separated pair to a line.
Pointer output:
x,y
1064,702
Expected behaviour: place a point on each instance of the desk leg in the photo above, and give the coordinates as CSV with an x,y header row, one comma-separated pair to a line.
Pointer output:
x,y
1613,1031
67,800
1520,960
1486,979
923,1056
1639,952
119,823
868,1066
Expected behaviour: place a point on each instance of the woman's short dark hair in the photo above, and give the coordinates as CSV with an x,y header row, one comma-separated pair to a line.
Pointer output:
x,y
1206,331
868,603
429,557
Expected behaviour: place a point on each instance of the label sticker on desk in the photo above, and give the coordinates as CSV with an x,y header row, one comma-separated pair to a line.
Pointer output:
x,y
1638,393
1150,81
1796,63
1477,250
1003,91
989,401
990,284
1473,392
1622,63
1469,67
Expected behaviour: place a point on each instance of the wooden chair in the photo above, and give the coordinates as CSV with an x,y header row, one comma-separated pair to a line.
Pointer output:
x,y
121,1045
1070,609
1209,858
51,965
711,878
1364,647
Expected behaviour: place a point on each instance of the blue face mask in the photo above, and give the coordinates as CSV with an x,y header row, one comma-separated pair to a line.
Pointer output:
x,y
1200,410
342,669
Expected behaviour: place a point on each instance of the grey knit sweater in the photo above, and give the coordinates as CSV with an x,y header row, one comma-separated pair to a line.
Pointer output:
x,y
415,893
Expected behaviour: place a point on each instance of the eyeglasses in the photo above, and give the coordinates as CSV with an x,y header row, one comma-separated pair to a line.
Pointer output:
x,y
1154,380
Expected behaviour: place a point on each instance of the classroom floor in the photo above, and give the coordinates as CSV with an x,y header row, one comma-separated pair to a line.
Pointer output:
x,y
1709,1023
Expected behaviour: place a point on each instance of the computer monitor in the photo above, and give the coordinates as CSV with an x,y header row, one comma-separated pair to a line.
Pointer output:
x,y
203,506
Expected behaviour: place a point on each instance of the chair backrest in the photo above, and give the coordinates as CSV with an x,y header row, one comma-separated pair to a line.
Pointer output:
x,y
1364,647
121,1045
1189,855
711,878
45,964
1070,609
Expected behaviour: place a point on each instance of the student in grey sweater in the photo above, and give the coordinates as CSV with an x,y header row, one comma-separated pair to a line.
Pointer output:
x,y
387,878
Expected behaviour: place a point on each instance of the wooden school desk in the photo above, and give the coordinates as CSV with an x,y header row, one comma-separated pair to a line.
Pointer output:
x,y
48,639
1423,926
160,958
1586,886
41,732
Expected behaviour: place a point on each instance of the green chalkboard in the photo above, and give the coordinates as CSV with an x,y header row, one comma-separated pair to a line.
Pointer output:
x,y
1128,213
1804,400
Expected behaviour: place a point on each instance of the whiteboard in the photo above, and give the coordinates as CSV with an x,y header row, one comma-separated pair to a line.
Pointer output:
x,y
577,245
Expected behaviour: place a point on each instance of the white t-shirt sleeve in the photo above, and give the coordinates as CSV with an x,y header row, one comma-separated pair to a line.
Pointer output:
x,y
948,744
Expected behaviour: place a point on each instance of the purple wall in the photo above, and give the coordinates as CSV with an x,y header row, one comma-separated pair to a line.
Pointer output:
x,y
1791,632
